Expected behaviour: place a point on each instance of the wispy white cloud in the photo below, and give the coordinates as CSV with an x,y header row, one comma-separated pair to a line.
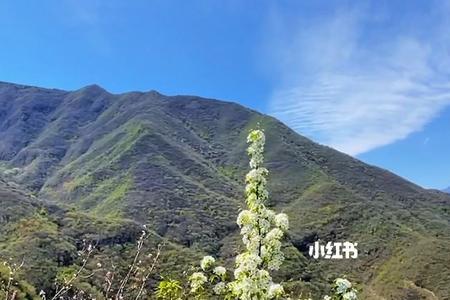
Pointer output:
x,y
355,81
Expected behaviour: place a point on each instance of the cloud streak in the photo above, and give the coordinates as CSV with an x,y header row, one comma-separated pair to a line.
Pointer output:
x,y
354,81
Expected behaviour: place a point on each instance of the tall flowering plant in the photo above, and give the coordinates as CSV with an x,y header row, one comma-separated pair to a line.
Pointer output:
x,y
262,231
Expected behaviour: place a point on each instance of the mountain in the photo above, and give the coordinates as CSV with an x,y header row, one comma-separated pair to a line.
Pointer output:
x,y
94,165
447,190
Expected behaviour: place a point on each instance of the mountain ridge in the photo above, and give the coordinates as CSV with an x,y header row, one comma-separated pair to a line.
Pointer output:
x,y
176,163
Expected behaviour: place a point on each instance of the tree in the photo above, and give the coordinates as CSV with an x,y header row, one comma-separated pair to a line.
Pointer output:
x,y
262,231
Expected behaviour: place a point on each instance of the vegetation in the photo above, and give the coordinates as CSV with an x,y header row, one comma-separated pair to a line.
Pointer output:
x,y
261,230
93,166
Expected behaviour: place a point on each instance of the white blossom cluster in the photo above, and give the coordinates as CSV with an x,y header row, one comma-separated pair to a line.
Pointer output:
x,y
207,262
343,289
261,230
215,274
197,280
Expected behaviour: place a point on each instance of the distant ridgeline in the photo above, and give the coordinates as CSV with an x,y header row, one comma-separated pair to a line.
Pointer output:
x,y
94,166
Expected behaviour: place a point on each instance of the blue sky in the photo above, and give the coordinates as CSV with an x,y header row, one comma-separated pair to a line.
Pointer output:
x,y
369,78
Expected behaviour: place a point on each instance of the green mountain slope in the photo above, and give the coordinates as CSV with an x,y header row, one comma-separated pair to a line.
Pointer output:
x,y
48,239
177,164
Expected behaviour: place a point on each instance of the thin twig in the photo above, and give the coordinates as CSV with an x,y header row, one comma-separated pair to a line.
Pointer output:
x,y
66,287
149,272
132,266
